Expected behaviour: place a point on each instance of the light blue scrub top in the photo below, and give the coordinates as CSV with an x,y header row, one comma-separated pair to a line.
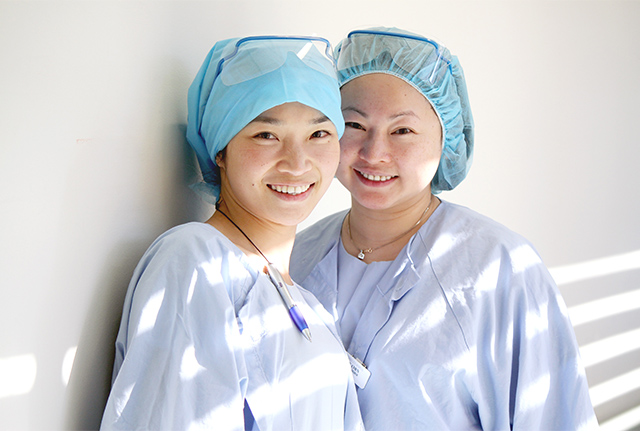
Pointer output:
x,y
202,330
465,330
357,280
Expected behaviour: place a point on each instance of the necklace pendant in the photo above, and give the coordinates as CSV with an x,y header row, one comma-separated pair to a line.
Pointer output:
x,y
361,255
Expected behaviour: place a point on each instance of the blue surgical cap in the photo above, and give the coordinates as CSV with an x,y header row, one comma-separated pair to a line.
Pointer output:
x,y
430,69
242,78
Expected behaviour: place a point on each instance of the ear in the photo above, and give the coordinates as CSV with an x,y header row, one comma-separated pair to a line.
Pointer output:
x,y
220,159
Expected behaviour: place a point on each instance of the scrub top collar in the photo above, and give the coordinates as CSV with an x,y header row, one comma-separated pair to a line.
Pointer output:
x,y
399,279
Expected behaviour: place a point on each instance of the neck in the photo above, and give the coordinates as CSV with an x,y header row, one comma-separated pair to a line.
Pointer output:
x,y
384,231
271,241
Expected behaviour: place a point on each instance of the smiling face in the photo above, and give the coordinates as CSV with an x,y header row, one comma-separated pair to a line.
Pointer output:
x,y
392,144
278,167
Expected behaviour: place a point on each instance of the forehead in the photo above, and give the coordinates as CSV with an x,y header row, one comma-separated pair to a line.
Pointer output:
x,y
382,91
293,111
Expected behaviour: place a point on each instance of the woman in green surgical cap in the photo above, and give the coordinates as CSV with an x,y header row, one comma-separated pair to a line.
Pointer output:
x,y
214,334
452,320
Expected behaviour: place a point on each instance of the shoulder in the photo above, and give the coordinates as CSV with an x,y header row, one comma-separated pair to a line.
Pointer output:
x,y
459,227
190,244
485,269
191,235
192,251
469,250
463,218
313,243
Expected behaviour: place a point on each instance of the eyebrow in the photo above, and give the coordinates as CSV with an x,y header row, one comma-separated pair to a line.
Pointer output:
x,y
271,120
266,119
405,113
319,120
356,110
393,116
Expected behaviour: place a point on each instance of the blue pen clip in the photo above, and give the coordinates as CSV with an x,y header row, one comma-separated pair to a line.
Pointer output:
x,y
294,312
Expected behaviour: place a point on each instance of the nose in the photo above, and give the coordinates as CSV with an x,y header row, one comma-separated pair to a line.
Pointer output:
x,y
375,147
295,161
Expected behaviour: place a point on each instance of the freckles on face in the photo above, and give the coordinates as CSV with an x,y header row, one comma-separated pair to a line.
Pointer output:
x,y
392,143
280,164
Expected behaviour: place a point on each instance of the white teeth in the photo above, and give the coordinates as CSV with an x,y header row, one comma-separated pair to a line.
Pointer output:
x,y
376,177
291,190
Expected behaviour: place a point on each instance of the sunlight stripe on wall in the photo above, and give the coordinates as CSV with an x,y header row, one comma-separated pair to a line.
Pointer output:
x,y
17,374
596,268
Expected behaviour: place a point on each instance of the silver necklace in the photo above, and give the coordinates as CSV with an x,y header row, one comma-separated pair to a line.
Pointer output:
x,y
361,255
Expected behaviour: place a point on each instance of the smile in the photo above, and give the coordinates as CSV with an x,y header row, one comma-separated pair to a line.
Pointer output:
x,y
375,177
290,190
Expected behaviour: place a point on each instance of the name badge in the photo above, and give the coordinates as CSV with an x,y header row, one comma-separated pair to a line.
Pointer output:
x,y
360,373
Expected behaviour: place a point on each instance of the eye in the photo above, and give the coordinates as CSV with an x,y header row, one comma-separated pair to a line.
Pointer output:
x,y
402,131
354,125
320,134
264,135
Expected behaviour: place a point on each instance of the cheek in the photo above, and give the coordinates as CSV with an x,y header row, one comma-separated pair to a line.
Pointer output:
x,y
419,158
350,142
346,158
335,158
348,155
255,159
429,163
327,159
245,169
435,148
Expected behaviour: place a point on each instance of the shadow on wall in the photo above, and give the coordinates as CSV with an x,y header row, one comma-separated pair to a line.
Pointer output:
x,y
603,296
90,379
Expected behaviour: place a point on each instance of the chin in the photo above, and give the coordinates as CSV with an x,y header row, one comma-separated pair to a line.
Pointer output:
x,y
292,219
373,201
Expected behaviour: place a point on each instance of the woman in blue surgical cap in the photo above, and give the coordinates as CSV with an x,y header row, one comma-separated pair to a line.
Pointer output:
x,y
452,320
214,334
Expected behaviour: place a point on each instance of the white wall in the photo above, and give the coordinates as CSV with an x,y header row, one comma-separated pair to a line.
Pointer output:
x,y
94,165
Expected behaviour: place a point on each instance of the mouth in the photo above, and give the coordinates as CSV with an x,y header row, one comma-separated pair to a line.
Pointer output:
x,y
290,190
377,178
